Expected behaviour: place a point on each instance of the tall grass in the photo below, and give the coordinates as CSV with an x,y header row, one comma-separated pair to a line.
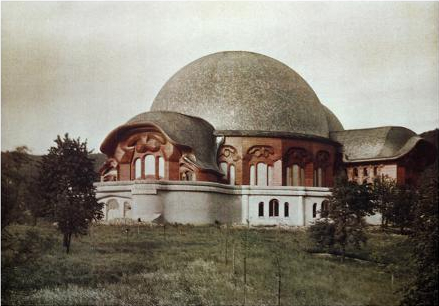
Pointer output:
x,y
188,267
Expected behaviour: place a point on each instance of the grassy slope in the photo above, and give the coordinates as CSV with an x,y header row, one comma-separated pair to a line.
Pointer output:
x,y
108,267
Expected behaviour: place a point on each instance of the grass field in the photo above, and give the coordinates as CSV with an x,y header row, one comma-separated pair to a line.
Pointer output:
x,y
187,266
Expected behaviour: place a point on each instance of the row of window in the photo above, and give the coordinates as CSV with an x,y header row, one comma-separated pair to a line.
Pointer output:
x,y
273,209
365,171
148,163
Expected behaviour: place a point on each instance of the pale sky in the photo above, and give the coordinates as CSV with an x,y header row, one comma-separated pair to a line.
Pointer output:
x,y
87,67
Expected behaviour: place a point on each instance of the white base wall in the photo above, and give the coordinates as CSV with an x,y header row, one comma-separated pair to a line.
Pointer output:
x,y
204,202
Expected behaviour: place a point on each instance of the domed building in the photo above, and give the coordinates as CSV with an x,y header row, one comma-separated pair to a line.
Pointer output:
x,y
237,136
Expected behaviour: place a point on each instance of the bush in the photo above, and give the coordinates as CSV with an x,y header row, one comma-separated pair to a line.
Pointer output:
x,y
322,234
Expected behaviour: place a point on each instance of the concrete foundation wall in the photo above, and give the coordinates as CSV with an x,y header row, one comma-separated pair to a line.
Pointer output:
x,y
205,202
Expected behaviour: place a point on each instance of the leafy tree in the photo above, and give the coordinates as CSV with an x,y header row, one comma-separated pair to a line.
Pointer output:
x,y
66,183
401,212
424,289
348,205
383,197
15,181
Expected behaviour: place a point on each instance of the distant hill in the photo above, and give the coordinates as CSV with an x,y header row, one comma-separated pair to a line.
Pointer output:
x,y
32,167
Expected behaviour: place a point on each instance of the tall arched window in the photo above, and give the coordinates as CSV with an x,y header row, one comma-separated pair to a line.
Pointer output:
x,y
365,172
319,177
138,168
273,210
261,174
286,209
223,167
149,165
375,171
261,209
232,175
252,175
161,167
270,176
296,175
314,210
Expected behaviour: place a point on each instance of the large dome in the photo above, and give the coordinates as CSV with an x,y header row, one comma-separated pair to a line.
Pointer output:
x,y
247,93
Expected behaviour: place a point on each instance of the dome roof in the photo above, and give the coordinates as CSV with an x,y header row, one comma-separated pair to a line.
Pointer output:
x,y
246,92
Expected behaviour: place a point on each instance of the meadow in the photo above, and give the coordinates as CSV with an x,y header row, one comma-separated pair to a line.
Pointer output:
x,y
187,265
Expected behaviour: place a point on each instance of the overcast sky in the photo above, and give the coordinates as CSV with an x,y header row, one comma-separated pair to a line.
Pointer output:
x,y
87,67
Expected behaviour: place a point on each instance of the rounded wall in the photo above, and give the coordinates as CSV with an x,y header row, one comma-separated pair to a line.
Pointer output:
x,y
147,207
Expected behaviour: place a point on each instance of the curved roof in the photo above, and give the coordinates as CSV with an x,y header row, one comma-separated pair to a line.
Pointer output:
x,y
244,91
184,130
375,144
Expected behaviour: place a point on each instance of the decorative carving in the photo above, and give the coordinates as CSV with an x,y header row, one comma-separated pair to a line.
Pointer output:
x,y
144,142
229,154
297,156
109,170
322,159
261,151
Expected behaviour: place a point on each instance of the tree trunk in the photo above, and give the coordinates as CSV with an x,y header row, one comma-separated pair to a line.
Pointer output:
x,y
66,241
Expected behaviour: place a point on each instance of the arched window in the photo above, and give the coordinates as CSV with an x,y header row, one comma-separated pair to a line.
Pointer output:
x,y
149,165
273,208
261,209
365,172
314,210
252,175
324,211
375,171
286,209
138,168
232,175
161,167
261,174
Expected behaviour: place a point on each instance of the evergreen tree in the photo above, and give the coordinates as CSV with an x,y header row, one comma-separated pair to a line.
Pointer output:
x,y
66,183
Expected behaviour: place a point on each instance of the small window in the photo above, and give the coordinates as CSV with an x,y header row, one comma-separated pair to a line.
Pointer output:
x,y
365,172
286,209
314,210
375,171
274,208
355,172
261,209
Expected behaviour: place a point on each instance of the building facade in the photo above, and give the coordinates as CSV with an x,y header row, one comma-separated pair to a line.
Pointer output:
x,y
237,136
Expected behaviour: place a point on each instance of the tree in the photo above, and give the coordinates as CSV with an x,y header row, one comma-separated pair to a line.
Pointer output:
x,y
66,182
383,197
15,181
424,288
401,212
344,225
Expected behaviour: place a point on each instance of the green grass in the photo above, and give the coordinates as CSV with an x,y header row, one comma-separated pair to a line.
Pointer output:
x,y
187,267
